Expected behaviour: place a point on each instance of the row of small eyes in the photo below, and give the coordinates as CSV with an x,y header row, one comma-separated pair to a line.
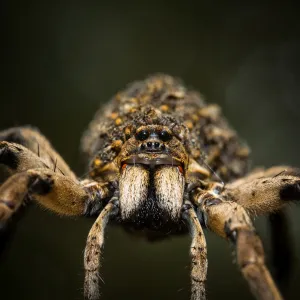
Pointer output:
x,y
162,135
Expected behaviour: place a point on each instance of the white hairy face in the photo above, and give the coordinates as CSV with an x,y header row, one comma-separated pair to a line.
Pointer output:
x,y
157,190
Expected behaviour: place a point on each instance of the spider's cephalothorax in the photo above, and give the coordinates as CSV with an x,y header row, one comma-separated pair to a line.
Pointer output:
x,y
156,136
157,152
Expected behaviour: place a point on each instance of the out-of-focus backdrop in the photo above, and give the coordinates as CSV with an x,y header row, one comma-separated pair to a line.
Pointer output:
x,y
60,60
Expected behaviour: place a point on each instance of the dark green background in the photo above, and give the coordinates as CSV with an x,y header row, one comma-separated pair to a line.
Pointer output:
x,y
59,60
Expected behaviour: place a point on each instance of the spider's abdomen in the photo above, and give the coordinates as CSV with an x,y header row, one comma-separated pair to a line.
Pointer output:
x,y
163,100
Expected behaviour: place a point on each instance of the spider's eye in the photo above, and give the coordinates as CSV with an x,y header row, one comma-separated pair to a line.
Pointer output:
x,y
165,136
142,135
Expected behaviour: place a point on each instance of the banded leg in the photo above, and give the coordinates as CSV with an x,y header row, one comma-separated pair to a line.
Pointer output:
x,y
268,192
32,178
21,149
54,191
14,158
198,252
35,171
93,250
230,220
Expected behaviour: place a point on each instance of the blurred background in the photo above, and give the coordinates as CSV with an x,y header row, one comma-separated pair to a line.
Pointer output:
x,y
60,60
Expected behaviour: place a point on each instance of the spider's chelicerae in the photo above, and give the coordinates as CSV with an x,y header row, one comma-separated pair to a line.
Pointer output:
x,y
156,154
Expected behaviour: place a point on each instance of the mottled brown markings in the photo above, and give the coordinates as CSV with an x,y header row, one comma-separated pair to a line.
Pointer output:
x,y
164,108
195,118
235,224
117,145
127,132
114,115
95,242
201,138
118,121
189,124
97,162
198,252
151,100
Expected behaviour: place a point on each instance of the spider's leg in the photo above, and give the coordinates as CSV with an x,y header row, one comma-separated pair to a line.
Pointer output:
x,y
230,220
15,158
268,192
31,177
198,253
35,171
33,140
264,192
93,249
54,191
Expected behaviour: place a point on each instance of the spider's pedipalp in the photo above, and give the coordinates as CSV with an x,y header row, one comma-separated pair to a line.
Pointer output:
x,y
93,249
230,220
198,252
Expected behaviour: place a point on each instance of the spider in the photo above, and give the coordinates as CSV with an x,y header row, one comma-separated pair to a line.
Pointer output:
x,y
156,153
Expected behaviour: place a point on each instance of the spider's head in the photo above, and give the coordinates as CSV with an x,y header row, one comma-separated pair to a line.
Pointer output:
x,y
154,145
152,164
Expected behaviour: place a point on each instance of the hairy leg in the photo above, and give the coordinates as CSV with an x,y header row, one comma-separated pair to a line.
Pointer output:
x,y
198,253
15,158
54,191
268,192
230,220
34,171
33,140
93,250
265,191
30,177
